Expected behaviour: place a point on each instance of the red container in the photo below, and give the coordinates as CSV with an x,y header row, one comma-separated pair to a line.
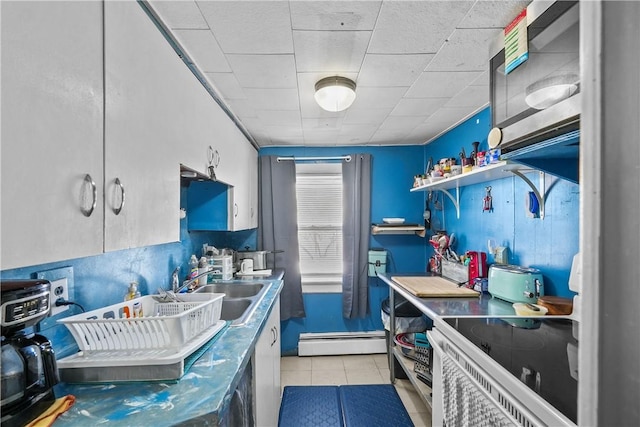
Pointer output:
x,y
477,265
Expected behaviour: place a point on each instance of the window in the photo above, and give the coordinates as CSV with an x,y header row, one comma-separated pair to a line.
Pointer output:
x,y
319,200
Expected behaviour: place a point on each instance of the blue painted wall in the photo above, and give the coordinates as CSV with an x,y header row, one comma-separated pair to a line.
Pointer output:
x,y
103,279
548,244
392,177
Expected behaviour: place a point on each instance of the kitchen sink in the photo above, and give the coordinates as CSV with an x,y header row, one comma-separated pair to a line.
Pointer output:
x,y
240,300
233,290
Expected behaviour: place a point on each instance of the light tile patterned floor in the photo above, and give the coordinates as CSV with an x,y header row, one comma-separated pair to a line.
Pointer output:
x,y
353,369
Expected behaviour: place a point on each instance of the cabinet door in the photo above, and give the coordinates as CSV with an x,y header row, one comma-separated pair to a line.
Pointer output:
x,y
144,98
246,175
266,367
52,125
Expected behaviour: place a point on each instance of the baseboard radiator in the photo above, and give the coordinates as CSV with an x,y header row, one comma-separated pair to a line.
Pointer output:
x,y
335,343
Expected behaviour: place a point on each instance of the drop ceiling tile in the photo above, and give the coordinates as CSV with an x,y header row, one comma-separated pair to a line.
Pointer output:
x,y
482,80
359,139
471,96
241,108
493,14
386,137
377,97
247,27
226,84
439,84
392,70
203,49
334,15
366,116
401,123
282,132
465,50
279,118
322,124
336,51
418,106
273,99
416,26
180,14
321,137
350,130
264,71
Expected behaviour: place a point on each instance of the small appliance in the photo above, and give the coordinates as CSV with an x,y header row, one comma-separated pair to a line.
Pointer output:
x,y
515,284
28,369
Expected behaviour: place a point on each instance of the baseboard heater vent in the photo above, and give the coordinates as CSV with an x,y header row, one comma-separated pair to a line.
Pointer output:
x,y
335,343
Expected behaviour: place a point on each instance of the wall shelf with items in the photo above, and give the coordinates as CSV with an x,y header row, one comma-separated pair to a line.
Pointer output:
x,y
499,170
395,229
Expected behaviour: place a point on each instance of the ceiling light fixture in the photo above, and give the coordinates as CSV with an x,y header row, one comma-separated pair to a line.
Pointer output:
x,y
335,93
547,92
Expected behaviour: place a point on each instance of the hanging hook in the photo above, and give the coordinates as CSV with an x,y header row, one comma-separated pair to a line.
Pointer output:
x,y
487,201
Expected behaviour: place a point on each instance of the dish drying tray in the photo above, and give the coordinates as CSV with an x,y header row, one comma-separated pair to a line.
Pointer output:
x,y
153,347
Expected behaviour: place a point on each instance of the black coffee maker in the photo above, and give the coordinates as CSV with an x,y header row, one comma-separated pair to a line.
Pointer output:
x,y
28,368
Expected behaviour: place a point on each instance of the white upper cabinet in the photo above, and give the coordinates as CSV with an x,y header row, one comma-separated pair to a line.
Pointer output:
x,y
52,125
144,78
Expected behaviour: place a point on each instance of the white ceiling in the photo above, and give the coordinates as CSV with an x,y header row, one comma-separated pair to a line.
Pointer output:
x,y
420,66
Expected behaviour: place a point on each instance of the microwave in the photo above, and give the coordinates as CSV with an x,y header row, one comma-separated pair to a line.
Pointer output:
x,y
540,98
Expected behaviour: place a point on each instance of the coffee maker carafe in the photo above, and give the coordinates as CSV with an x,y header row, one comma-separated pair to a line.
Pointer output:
x,y
28,368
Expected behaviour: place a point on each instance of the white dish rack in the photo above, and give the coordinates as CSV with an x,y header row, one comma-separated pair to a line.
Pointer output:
x,y
114,347
163,326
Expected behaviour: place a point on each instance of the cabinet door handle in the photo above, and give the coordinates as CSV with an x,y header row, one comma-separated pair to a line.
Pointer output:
x,y
213,156
122,193
274,333
251,212
235,210
94,190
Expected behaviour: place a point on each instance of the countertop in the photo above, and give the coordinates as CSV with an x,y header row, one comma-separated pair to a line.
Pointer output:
x,y
199,397
482,306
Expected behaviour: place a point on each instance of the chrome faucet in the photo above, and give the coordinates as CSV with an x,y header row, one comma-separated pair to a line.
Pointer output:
x,y
188,283
175,280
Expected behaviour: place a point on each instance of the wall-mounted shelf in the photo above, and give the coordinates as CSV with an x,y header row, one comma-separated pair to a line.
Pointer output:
x,y
503,169
409,229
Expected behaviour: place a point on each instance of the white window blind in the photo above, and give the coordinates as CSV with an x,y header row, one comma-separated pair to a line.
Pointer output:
x,y
319,200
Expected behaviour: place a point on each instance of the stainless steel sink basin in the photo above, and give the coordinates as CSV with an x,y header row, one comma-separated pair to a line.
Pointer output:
x,y
233,309
240,300
233,290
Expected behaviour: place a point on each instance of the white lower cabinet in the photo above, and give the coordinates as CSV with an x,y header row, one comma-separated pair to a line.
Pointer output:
x,y
266,372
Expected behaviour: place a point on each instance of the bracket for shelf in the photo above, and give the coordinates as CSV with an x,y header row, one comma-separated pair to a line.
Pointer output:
x,y
539,191
456,201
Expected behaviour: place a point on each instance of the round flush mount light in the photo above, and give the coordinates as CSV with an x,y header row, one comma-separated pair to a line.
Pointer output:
x,y
551,90
335,93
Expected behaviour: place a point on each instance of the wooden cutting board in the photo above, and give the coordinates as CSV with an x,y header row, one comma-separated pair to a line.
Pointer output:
x,y
433,286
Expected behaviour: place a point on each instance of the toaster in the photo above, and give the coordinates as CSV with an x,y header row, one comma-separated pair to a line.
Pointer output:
x,y
515,284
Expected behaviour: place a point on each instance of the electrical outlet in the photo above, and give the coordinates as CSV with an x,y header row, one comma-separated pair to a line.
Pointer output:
x,y
59,290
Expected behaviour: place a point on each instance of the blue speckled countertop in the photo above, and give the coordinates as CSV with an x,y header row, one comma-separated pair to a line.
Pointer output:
x,y
200,396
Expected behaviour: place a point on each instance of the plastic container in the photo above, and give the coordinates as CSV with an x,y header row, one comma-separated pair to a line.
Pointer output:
x,y
132,292
165,325
193,268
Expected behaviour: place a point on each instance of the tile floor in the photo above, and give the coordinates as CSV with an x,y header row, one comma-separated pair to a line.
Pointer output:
x,y
352,369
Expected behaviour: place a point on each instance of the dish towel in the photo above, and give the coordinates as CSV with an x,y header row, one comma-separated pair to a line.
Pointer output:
x,y
59,407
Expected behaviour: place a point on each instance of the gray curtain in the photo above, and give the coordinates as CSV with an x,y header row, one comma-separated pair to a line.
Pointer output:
x,y
356,205
278,228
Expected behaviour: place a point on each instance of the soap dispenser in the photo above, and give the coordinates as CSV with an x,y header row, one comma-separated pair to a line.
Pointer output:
x,y
132,292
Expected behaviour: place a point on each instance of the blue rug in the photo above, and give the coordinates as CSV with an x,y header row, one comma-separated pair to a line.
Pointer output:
x,y
343,406
373,406
307,406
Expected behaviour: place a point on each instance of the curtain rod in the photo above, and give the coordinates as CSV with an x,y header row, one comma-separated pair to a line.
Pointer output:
x,y
345,158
